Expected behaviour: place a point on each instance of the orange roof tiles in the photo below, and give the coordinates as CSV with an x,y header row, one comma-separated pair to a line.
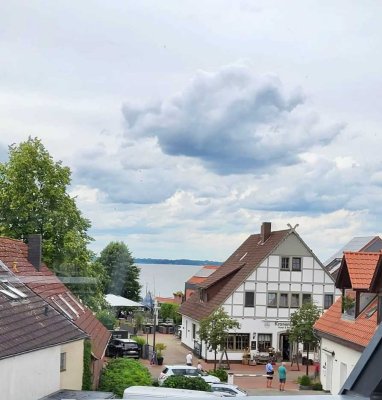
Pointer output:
x,y
361,267
358,331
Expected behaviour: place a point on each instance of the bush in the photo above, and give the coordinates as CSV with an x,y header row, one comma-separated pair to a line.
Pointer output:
x,y
220,373
139,339
107,318
121,373
317,386
184,382
159,348
304,380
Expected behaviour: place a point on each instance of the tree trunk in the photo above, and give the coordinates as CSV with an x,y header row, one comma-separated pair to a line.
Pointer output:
x,y
307,360
215,361
298,365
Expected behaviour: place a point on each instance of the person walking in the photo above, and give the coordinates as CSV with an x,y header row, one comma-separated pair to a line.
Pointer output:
x,y
282,376
189,358
269,372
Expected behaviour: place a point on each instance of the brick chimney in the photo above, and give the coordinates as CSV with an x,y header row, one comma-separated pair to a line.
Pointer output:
x,y
265,231
34,250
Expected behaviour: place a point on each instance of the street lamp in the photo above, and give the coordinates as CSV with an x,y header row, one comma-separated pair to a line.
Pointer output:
x,y
155,321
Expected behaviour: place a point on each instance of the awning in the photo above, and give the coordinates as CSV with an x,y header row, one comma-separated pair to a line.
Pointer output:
x,y
119,301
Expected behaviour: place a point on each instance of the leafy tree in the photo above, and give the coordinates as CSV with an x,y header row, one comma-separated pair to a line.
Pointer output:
x,y
170,310
214,330
34,199
121,373
87,372
301,327
122,274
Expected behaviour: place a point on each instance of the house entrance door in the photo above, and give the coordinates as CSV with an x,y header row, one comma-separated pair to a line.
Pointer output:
x,y
285,346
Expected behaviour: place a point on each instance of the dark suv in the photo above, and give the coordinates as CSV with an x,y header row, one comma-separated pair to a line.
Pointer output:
x,y
123,348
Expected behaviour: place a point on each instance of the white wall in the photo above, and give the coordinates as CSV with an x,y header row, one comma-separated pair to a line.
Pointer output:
x,y
71,378
335,369
30,376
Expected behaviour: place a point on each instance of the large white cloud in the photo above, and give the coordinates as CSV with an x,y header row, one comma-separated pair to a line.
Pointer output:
x,y
233,121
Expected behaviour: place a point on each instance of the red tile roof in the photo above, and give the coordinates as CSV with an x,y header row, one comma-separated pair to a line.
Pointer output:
x,y
14,253
231,274
29,323
361,268
358,331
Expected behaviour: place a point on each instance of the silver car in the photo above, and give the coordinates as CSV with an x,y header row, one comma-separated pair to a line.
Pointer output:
x,y
184,370
228,390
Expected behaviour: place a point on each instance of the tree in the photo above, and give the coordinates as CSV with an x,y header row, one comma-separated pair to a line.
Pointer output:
x,y
214,330
122,274
170,310
34,199
301,327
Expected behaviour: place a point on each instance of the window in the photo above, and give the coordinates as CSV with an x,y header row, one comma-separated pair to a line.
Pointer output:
x,y
283,300
272,300
328,301
193,331
265,342
296,263
285,263
306,298
239,341
249,300
63,362
295,300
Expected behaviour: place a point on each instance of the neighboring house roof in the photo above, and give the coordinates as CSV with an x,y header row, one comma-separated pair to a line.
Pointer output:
x,y
28,323
361,243
357,332
14,253
360,268
232,273
203,274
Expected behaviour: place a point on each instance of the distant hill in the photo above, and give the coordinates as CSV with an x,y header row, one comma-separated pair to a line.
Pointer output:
x,y
180,262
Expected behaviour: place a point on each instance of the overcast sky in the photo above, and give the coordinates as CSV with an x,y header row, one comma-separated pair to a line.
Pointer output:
x,y
187,123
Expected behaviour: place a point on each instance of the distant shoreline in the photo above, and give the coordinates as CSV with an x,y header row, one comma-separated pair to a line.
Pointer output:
x,y
178,262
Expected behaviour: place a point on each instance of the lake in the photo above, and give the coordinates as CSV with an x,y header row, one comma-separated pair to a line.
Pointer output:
x,y
165,279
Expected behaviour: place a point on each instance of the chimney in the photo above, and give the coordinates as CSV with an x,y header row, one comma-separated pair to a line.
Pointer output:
x,y
34,250
265,231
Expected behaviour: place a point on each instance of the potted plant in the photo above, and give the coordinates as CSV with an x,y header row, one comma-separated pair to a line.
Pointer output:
x,y
305,382
159,347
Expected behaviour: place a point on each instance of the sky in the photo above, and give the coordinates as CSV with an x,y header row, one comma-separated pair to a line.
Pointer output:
x,y
186,124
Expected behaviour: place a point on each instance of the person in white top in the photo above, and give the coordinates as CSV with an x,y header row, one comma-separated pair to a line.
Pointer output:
x,y
189,358
199,366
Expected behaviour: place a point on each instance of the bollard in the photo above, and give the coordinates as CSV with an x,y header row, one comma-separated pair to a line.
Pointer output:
x,y
230,378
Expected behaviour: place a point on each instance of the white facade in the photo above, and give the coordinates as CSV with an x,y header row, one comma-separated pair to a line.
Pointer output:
x,y
337,362
277,292
37,374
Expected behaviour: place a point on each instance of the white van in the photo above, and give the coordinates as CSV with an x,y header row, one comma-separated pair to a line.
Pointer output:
x,y
153,392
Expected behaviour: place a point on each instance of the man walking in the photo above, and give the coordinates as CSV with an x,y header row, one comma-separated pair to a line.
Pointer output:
x,y
282,376
189,358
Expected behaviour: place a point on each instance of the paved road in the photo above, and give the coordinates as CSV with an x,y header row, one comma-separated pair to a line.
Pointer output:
x,y
252,379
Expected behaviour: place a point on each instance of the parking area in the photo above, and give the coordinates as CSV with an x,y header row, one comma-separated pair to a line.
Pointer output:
x,y
248,377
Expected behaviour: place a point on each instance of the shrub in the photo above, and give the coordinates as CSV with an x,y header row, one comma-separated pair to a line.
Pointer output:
x,y
317,386
121,373
184,382
87,373
107,318
304,380
220,373
139,339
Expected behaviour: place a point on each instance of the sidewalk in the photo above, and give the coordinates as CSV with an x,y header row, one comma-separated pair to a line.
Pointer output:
x,y
176,354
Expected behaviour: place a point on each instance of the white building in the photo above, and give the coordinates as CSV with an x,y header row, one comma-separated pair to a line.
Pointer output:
x,y
268,277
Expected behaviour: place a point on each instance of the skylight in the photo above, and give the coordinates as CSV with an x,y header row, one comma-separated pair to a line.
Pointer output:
x,y
8,289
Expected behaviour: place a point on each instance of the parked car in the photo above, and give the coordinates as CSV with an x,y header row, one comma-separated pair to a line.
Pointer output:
x,y
185,370
123,348
228,390
149,392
